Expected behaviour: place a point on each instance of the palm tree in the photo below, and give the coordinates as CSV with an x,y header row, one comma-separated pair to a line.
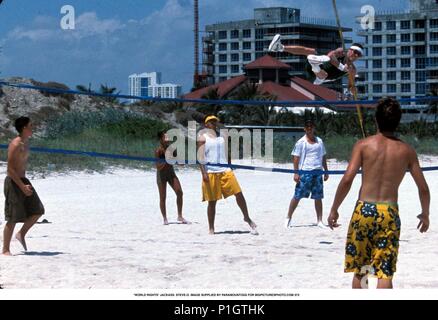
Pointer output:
x,y
83,88
105,89
253,114
211,94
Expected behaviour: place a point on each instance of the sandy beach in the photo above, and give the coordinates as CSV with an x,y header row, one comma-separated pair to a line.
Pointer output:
x,y
106,232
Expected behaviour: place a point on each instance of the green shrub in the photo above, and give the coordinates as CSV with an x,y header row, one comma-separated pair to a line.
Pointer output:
x,y
118,121
54,85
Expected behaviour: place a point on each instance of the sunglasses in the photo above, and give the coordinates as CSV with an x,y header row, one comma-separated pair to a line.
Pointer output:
x,y
357,53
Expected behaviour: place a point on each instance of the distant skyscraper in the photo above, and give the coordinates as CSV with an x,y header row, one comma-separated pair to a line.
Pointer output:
x,y
149,85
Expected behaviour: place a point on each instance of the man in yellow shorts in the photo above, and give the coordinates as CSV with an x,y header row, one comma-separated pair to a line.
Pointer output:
x,y
218,181
374,231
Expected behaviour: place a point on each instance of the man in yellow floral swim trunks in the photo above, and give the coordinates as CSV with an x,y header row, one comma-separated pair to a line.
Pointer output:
x,y
374,231
372,239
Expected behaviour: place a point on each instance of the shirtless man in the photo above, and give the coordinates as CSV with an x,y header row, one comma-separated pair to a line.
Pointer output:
x,y
22,202
323,68
374,231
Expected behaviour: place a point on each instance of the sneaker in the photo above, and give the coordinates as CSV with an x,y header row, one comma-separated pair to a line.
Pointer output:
x,y
318,81
287,223
275,45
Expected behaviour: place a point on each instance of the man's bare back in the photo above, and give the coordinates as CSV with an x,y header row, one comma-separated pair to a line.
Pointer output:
x,y
384,161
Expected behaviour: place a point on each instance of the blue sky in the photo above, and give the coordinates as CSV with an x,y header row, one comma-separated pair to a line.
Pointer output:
x,y
113,39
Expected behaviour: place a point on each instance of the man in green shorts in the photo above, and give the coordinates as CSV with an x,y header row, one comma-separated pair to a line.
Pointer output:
x,y
22,202
374,231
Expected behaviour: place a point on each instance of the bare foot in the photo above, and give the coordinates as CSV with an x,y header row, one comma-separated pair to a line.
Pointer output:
x,y
182,220
252,225
211,231
7,253
165,222
21,240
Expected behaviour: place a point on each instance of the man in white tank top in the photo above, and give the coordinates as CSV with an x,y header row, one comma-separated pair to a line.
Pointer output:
x,y
218,181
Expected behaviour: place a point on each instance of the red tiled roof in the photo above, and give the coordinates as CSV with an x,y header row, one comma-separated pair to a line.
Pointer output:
x,y
283,93
319,91
223,87
324,93
267,62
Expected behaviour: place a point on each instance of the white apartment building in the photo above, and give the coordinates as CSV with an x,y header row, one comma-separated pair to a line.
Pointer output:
x,y
139,83
165,90
148,84
401,57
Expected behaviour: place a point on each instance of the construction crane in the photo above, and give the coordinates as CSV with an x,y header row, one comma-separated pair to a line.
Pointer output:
x,y
196,51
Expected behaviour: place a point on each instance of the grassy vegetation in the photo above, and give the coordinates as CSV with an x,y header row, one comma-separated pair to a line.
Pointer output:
x,y
92,140
117,131
112,131
339,146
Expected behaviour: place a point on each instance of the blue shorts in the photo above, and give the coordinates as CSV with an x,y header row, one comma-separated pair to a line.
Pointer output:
x,y
309,184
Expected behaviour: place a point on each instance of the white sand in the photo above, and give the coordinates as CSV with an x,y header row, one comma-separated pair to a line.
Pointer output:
x,y
106,232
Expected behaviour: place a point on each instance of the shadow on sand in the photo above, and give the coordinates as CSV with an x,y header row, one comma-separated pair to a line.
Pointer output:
x,y
303,226
233,232
183,224
42,253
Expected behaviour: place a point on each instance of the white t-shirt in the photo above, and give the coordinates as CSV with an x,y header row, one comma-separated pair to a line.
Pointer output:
x,y
310,155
